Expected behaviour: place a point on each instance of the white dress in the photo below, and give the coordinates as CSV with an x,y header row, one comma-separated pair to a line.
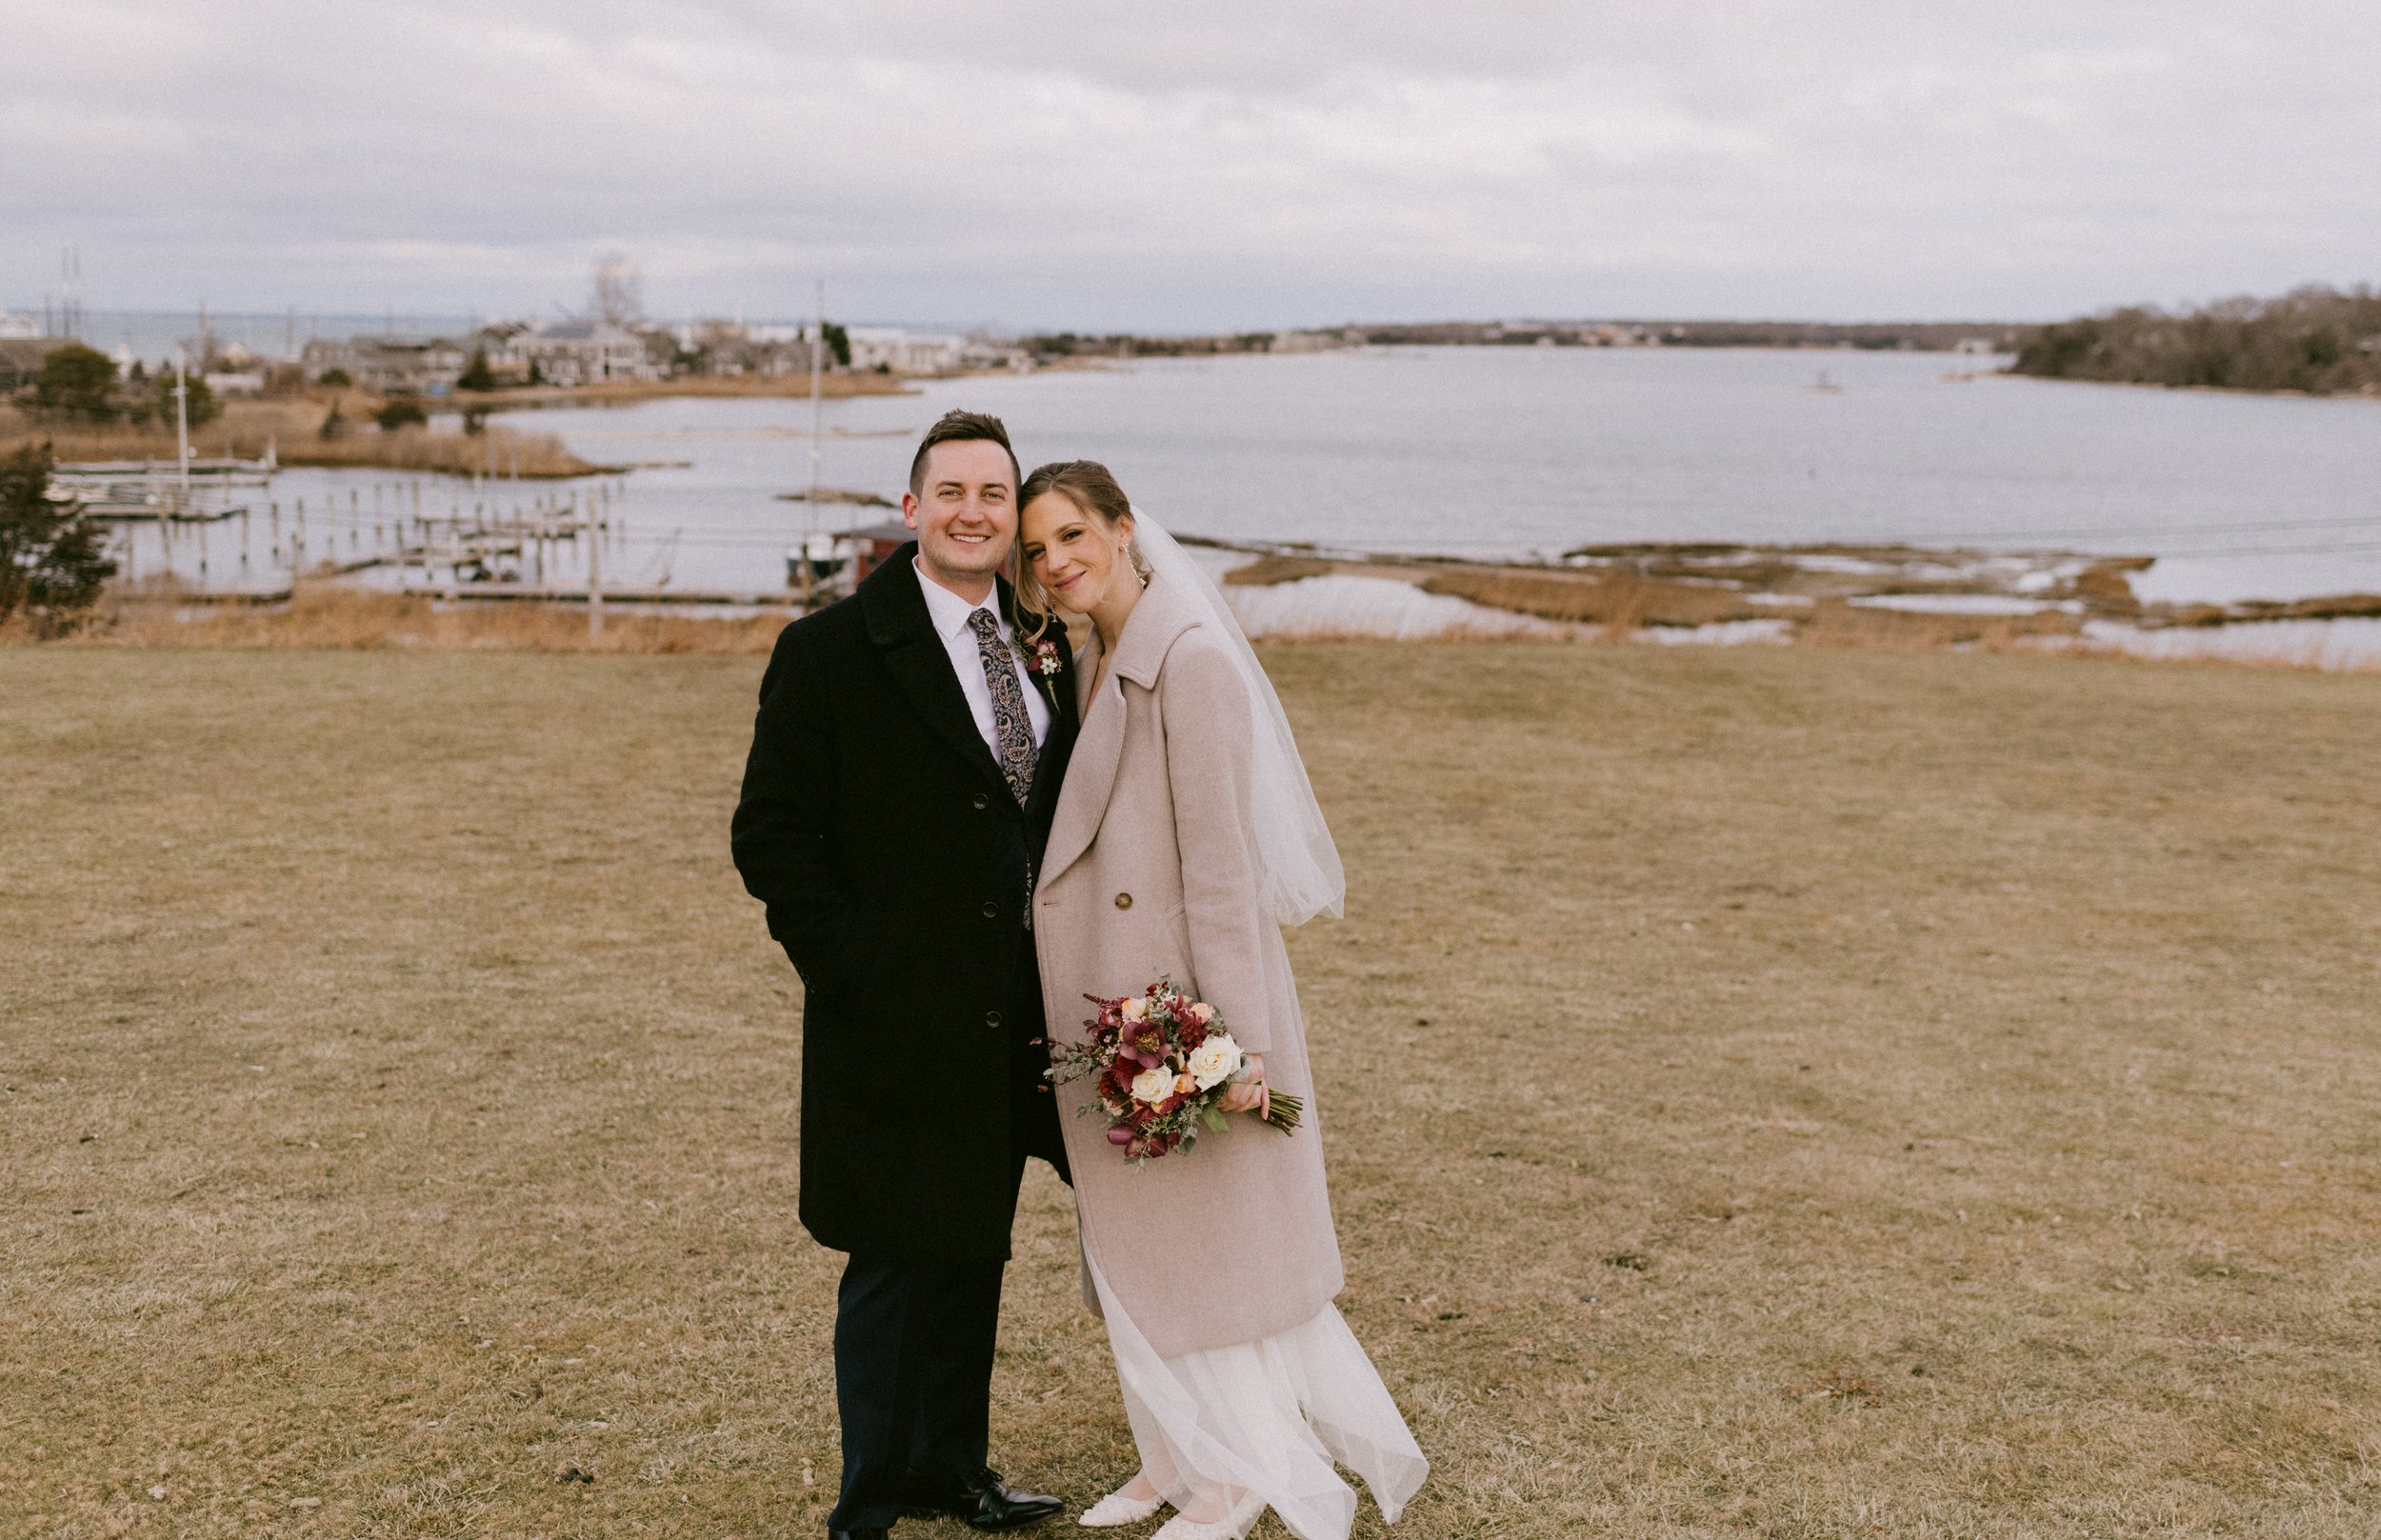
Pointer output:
x,y
1268,1418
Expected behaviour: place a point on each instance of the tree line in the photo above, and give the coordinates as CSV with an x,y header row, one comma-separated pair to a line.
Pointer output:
x,y
2317,339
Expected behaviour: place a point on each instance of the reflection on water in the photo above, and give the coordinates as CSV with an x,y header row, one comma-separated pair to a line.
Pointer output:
x,y
1513,451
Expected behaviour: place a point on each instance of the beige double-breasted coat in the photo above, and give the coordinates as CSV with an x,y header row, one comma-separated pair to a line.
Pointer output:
x,y
1152,870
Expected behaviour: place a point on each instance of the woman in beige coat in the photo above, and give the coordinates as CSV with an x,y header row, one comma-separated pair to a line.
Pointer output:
x,y
1185,836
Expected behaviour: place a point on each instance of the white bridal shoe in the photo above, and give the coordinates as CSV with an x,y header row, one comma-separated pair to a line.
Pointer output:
x,y
1230,1527
1116,1508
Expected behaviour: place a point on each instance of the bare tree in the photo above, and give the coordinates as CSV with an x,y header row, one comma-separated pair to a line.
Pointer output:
x,y
619,295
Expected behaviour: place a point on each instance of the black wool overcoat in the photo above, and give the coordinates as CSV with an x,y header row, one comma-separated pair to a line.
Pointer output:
x,y
896,863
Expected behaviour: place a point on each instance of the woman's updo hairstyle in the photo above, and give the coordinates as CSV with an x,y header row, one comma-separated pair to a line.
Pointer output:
x,y
1088,485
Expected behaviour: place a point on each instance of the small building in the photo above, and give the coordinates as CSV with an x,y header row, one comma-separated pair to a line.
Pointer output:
x,y
584,352
877,544
391,365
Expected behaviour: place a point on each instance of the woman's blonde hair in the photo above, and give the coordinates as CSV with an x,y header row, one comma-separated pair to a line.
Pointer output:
x,y
1089,486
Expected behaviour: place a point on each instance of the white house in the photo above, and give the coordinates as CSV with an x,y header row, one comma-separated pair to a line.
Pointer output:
x,y
904,352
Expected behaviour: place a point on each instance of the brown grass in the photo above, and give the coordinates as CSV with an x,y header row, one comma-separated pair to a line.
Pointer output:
x,y
319,615
1773,1092
1618,601
294,427
1833,623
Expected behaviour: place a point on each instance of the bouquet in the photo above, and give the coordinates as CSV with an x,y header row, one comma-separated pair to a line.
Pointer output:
x,y
1162,1060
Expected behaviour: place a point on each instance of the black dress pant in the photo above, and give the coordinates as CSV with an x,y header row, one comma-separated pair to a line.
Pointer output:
x,y
915,1340
914,1378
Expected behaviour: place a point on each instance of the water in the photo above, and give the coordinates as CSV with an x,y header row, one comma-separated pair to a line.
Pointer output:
x,y
1520,451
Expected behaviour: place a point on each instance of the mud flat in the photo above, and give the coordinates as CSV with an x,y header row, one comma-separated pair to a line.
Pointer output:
x,y
1854,595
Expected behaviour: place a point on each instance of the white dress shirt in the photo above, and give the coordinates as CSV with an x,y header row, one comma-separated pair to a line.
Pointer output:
x,y
950,614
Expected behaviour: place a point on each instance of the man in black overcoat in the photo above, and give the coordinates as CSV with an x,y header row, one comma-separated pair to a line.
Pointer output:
x,y
896,802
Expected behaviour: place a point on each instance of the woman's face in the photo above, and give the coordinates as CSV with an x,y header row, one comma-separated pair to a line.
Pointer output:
x,y
1070,553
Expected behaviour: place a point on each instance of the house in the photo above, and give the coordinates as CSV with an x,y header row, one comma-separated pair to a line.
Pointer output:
x,y
901,352
733,348
584,352
499,342
391,365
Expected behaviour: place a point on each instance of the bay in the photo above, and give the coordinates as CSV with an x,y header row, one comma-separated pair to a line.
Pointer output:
x,y
1524,451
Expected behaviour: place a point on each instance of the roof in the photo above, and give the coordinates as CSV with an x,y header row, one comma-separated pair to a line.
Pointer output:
x,y
585,331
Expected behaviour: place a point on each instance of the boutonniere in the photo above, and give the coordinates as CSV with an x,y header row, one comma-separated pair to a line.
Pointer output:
x,y
1043,658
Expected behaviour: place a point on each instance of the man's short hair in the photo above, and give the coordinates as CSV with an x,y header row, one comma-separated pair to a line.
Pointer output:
x,y
951,428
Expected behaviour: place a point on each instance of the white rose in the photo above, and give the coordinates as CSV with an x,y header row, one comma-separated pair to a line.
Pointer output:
x,y
1153,1086
1217,1060
1136,1009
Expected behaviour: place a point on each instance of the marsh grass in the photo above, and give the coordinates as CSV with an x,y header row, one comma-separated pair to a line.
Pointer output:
x,y
294,429
322,615
1777,1092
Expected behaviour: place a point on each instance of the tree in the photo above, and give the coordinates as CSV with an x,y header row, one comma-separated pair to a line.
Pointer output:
x,y
403,411
77,381
478,376
838,342
619,295
204,408
336,378
53,559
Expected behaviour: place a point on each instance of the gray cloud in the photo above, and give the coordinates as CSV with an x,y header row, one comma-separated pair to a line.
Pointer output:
x,y
1203,164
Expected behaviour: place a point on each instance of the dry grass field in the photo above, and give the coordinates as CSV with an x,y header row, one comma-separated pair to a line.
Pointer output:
x,y
1781,1093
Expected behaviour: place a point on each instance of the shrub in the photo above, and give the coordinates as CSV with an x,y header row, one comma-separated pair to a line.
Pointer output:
x,y
77,381
53,559
204,408
335,378
402,412
479,376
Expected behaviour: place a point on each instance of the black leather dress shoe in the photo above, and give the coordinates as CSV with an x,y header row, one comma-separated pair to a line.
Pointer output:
x,y
980,1499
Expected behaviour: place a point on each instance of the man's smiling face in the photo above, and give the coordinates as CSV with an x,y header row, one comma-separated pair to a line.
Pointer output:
x,y
965,512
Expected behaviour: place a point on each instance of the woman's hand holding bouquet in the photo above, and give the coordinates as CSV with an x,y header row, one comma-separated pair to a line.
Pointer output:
x,y
1167,1069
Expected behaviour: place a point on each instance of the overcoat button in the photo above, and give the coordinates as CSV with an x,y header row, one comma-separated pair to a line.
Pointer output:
x,y
1124,900
992,912
992,1018
982,802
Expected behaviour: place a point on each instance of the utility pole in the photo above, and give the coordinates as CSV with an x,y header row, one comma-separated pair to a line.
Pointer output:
x,y
182,423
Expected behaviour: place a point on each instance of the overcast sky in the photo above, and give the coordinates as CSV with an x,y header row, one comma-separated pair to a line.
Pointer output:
x,y
1194,164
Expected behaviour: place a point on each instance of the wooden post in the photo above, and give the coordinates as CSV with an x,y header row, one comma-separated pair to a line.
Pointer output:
x,y
595,575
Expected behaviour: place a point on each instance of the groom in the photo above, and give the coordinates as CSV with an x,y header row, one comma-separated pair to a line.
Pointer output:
x,y
905,762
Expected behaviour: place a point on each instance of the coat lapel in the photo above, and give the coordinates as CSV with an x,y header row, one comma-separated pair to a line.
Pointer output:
x,y
898,624
1100,742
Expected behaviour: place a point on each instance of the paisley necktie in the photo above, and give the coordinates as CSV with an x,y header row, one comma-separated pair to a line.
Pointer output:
x,y
1011,725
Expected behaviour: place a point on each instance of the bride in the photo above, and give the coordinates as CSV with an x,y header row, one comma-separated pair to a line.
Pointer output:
x,y
1185,836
